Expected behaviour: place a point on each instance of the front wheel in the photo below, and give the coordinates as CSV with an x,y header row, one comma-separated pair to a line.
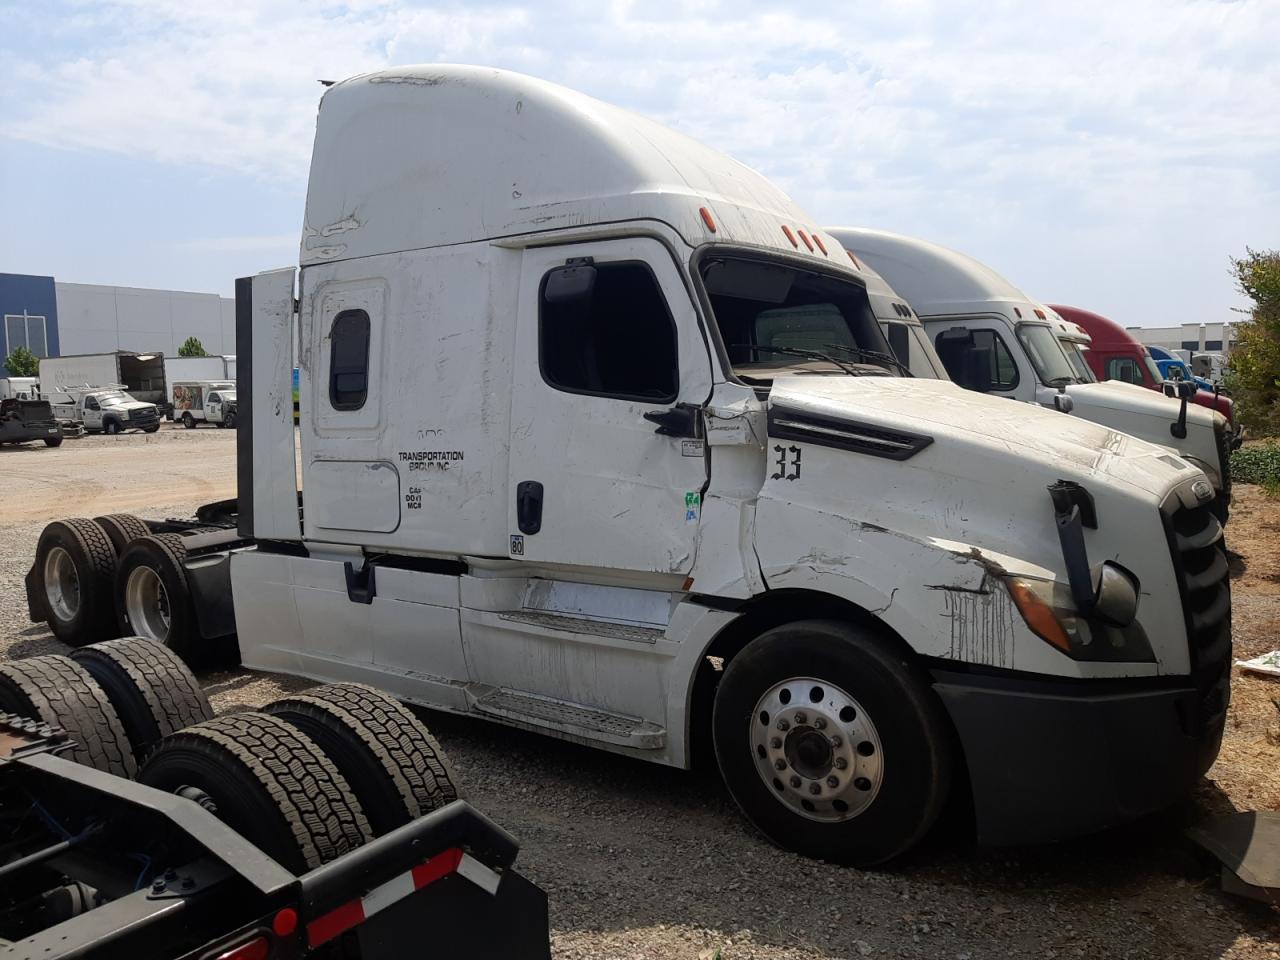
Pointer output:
x,y
111,427
53,441
229,420
832,743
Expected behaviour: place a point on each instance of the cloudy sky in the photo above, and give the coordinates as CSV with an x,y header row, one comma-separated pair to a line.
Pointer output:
x,y
1107,153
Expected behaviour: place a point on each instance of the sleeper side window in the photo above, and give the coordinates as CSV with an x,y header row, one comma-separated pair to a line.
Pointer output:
x,y
349,360
616,338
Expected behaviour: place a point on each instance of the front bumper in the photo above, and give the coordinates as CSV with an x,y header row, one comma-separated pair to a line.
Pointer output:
x,y
1050,759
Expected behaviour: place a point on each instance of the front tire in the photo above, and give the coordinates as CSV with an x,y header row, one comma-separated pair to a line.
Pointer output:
x,y
53,441
832,742
111,427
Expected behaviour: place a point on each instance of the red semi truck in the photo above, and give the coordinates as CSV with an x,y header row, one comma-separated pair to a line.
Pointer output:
x,y
1115,355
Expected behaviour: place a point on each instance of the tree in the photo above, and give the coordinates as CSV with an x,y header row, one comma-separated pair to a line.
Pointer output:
x,y
1255,359
22,363
192,347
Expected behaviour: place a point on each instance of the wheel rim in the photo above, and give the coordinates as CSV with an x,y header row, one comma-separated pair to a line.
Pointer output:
x,y
816,749
61,584
147,604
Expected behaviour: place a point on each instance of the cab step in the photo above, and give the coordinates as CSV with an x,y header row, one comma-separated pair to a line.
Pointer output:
x,y
575,719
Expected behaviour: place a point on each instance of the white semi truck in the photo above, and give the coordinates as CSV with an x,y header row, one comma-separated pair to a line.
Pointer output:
x,y
993,338
601,438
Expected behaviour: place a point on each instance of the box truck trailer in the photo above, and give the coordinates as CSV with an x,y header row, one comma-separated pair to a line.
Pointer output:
x,y
601,438
141,375
967,306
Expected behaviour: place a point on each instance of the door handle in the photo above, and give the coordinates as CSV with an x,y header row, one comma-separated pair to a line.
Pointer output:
x,y
682,420
529,506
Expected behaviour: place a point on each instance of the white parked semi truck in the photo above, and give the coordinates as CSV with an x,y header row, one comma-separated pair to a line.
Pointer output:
x,y
601,438
993,338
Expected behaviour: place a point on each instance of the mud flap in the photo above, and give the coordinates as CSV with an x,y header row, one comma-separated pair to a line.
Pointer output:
x,y
456,918
35,597
1248,844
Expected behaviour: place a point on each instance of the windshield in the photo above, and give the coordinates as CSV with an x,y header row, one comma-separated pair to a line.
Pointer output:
x,y
1152,367
775,319
912,346
1052,365
112,399
1079,363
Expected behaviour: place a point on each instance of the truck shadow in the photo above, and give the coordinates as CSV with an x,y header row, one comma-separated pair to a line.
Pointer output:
x,y
622,845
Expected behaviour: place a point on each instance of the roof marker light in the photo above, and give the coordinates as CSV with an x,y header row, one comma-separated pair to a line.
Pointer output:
x,y
854,259
821,246
807,242
1018,312
1040,314
790,236
706,218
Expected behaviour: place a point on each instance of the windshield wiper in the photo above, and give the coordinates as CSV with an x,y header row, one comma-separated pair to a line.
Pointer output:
x,y
873,355
801,352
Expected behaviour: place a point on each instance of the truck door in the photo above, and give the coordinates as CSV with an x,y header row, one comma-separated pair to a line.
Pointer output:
x,y
92,413
1011,372
608,353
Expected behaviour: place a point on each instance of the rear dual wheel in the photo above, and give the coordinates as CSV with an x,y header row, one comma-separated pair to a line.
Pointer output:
x,y
75,567
153,596
832,742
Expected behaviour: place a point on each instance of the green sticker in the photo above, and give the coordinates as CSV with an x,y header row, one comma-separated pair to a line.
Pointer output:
x,y
691,498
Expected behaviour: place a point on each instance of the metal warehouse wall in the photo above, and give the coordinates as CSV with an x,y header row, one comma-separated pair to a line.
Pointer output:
x,y
98,319
30,298
1213,337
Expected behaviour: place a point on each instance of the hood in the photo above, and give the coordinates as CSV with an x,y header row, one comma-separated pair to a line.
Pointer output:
x,y
1118,395
973,434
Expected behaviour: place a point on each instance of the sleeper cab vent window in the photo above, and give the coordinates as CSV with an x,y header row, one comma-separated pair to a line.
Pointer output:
x,y
786,424
349,360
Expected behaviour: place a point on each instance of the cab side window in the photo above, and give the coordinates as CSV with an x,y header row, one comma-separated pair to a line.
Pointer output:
x,y
91,403
1004,369
1124,368
616,340
349,360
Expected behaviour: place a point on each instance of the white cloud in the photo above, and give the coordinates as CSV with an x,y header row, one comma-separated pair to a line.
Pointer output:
x,y
1013,130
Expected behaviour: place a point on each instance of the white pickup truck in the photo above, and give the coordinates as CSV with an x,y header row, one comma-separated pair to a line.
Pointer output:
x,y
601,438
108,410
204,401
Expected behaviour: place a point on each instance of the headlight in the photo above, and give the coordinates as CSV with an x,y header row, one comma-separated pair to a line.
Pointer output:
x,y
1049,612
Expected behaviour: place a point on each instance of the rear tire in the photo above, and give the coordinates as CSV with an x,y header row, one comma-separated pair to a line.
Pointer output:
x,y
820,713
153,597
269,783
58,691
396,768
122,529
153,691
53,441
188,420
76,567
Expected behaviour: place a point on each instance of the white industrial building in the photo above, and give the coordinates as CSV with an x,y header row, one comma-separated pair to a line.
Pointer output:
x,y
1196,337
54,318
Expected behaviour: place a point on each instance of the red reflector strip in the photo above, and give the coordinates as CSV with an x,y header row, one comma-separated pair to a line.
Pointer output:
x,y
355,912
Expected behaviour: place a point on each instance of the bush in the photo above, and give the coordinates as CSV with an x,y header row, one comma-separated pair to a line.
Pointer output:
x,y
1257,463
192,347
1255,358
22,363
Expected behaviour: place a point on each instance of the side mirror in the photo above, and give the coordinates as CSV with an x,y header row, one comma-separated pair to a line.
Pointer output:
x,y
1062,402
977,369
1115,596
570,283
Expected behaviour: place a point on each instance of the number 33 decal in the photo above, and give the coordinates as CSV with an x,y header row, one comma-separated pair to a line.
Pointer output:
x,y
781,463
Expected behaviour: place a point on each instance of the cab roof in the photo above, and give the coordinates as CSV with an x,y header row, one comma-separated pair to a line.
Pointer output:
x,y
936,280
422,156
1103,331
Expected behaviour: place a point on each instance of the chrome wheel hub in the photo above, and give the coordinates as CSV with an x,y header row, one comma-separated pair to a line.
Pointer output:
x,y
147,604
817,749
61,584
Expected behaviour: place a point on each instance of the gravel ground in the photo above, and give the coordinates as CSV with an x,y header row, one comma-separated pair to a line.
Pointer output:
x,y
645,862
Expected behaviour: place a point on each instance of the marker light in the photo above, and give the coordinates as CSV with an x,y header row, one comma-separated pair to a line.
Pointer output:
x,y
790,236
821,246
1038,615
706,218
854,259
805,237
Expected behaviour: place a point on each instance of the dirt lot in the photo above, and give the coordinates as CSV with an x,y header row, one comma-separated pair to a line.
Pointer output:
x,y
646,862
